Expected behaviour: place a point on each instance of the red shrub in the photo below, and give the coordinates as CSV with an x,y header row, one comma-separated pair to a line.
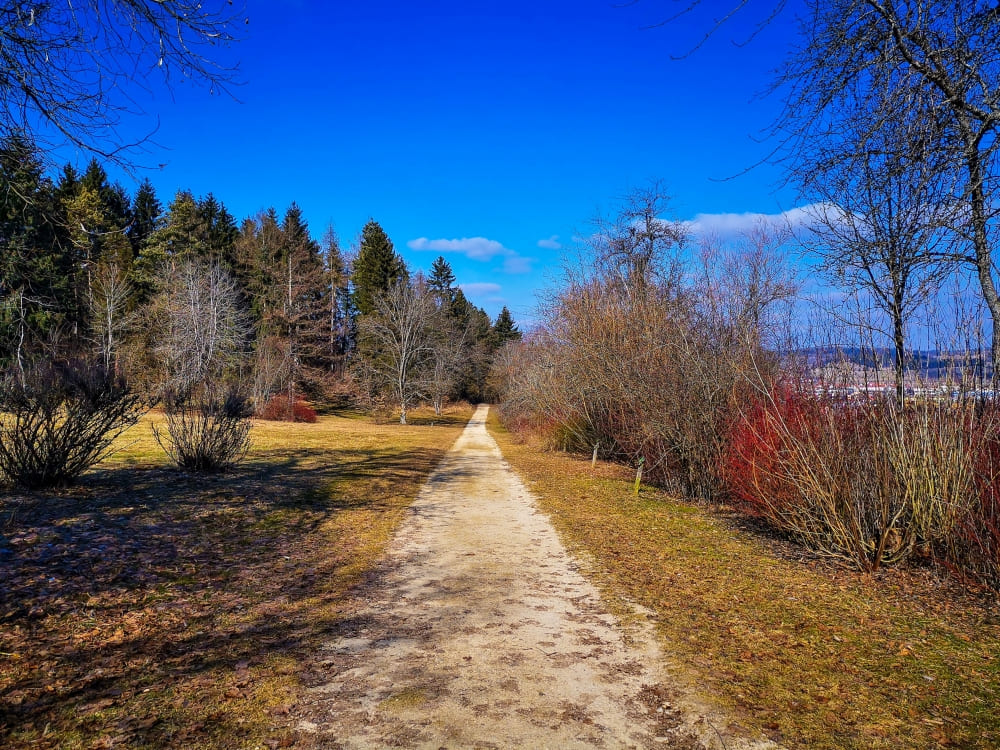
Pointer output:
x,y
754,464
869,483
979,542
281,409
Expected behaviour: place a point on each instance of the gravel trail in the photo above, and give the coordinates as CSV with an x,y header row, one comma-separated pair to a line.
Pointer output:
x,y
478,631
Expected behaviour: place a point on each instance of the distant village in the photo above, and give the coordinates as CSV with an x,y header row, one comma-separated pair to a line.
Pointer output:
x,y
857,375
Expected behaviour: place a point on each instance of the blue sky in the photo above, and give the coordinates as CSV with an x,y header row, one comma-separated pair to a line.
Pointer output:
x,y
487,132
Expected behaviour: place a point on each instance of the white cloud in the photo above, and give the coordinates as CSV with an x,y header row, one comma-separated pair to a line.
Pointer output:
x,y
476,248
730,225
481,288
552,243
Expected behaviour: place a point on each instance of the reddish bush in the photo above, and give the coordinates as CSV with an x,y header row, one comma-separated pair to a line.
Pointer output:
x,y
870,483
822,472
977,551
282,409
755,464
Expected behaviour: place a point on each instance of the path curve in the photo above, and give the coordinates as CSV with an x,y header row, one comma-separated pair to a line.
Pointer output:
x,y
479,631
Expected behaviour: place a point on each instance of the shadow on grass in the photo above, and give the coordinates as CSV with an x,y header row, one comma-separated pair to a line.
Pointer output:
x,y
152,607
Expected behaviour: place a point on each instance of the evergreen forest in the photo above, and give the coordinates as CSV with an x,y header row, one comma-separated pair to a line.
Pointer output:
x,y
178,298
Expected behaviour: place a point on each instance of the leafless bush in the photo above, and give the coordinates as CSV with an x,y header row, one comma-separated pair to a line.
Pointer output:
x,y
645,359
868,483
820,473
205,433
60,420
645,377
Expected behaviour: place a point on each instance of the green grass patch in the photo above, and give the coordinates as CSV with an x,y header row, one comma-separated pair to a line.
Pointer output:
x,y
147,607
806,653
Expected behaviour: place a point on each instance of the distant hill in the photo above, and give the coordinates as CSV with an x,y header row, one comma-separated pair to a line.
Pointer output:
x,y
932,364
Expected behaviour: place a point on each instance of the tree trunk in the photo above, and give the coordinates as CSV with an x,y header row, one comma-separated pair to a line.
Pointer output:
x,y
983,255
899,342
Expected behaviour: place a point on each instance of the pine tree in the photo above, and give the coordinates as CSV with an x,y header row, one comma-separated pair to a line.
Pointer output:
x,y
282,272
68,182
184,234
307,293
258,253
503,330
342,313
146,215
220,231
377,268
98,218
475,326
441,281
38,275
303,304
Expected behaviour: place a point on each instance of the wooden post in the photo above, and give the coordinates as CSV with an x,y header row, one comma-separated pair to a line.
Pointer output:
x,y
638,474
593,461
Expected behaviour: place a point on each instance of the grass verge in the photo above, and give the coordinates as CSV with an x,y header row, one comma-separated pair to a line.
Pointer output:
x,y
146,607
805,653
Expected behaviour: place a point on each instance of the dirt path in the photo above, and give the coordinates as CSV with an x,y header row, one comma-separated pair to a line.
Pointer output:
x,y
479,632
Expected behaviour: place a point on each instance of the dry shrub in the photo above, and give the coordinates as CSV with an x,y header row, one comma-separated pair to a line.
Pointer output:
x,y
646,354
866,483
758,460
644,376
813,469
205,433
933,450
281,408
59,420
975,548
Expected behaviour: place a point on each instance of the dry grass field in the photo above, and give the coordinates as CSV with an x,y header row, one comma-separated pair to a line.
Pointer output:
x,y
811,655
146,607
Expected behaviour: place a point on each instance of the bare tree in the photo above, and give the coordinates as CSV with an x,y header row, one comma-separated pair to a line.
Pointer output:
x,y
110,317
271,370
203,329
67,68
931,64
449,348
744,280
881,216
936,58
637,246
397,341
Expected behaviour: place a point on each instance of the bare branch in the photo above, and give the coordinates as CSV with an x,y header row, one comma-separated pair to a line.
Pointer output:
x,y
67,69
